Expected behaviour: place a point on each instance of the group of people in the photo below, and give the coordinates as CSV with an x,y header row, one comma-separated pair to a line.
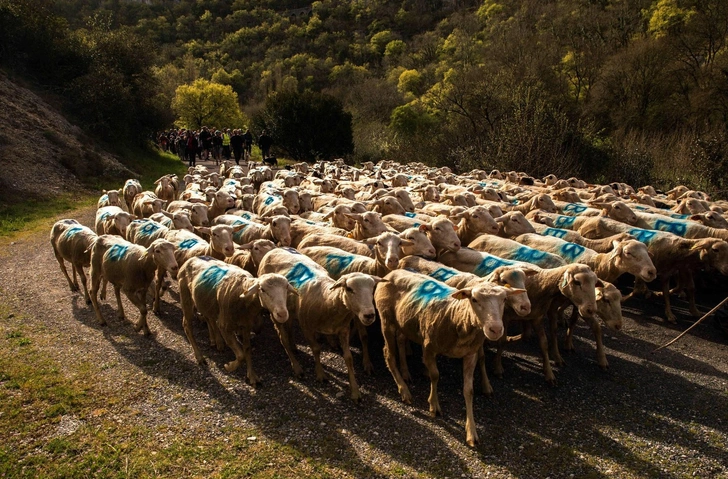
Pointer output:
x,y
210,143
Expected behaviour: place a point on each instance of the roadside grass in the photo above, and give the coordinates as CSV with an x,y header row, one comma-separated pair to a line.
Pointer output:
x,y
33,214
39,399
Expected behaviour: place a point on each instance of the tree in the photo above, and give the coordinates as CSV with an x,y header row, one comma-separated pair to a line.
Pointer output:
x,y
307,126
206,103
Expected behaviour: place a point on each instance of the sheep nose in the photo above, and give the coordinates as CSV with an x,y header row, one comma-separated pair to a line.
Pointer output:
x,y
206,223
589,311
617,327
369,318
525,309
496,331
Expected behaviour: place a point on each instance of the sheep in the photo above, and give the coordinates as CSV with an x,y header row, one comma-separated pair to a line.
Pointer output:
x,y
221,202
441,232
112,220
301,228
512,224
540,201
166,188
686,229
387,206
249,255
513,250
277,228
270,197
129,268
110,198
338,215
446,321
71,242
188,245
629,256
341,242
143,232
323,305
198,211
131,188
146,203
575,282
367,225
603,245
230,300
179,220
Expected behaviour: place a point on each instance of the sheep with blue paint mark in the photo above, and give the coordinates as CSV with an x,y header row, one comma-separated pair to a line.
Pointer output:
x,y
112,220
71,241
111,198
188,245
131,188
515,251
230,301
323,306
602,245
198,211
539,201
275,228
146,203
686,229
130,269
179,220
248,256
628,256
513,223
300,229
446,321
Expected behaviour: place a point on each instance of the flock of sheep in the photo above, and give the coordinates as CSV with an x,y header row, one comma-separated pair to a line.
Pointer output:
x,y
444,260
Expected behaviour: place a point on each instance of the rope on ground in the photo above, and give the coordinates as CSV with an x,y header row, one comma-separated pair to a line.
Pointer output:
x,y
708,314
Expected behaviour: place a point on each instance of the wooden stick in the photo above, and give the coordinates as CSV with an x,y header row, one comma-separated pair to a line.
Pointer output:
x,y
709,313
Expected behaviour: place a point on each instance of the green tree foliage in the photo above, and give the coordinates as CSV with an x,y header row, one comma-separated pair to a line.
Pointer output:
x,y
207,103
307,126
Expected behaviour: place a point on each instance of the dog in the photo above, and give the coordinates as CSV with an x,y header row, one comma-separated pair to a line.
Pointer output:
x,y
271,161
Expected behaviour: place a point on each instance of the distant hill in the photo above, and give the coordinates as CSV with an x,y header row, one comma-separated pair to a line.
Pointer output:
x,y
43,155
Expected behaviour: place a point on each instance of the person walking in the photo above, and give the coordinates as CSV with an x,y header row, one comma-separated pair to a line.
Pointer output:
x,y
237,143
247,143
265,142
226,144
191,148
217,146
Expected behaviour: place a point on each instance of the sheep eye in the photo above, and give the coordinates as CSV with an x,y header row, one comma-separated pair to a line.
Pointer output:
x,y
274,223
577,283
349,290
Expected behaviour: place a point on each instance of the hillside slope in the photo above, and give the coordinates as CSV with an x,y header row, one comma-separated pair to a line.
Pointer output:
x,y
43,155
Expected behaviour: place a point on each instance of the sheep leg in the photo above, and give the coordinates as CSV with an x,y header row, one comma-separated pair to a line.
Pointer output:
x,y
364,338
544,344
390,340
569,342
158,291
316,349
553,315
104,283
666,295
139,298
485,386
344,340
120,307
286,339
62,264
248,356
690,292
82,275
402,349
75,279
597,330
95,281
498,361
468,369
232,341
429,358
188,312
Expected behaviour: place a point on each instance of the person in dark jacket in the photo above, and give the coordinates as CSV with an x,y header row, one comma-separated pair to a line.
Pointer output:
x,y
237,143
248,143
265,142
191,148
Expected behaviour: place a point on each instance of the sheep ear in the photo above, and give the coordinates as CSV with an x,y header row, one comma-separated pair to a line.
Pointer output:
x,y
338,284
599,293
354,216
158,181
250,291
406,242
463,294
167,214
247,246
424,228
696,217
292,290
599,283
329,215
511,291
202,229
238,228
377,279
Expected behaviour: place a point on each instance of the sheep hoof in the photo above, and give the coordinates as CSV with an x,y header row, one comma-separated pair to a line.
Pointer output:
x,y
254,380
356,398
368,369
560,362
406,397
201,361
231,366
435,412
604,367
472,441
297,371
74,288
487,391
551,382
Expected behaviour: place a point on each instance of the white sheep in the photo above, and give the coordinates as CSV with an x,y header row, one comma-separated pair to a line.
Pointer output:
x,y
71,242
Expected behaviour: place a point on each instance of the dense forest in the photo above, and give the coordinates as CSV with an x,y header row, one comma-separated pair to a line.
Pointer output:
x,y
632,90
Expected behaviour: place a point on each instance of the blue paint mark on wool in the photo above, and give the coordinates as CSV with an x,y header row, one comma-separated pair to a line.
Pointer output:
x,y
555,232
188,243
643,236
104,216
489,264
443,274
337,263
564,221
678,216
410,215
104,197
72,231
429,291
149,228
529,255
574,208
671,227
572,251
291,250
300,275
117,252
212,277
